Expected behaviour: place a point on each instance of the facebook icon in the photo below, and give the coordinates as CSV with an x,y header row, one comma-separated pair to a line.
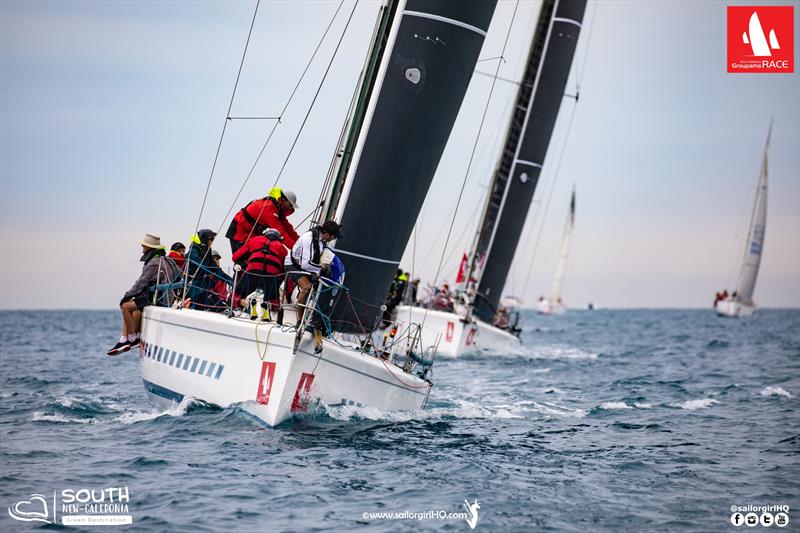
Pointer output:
x,y
737,519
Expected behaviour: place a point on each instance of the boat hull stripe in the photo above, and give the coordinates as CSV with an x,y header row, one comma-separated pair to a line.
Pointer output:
x,y
164,392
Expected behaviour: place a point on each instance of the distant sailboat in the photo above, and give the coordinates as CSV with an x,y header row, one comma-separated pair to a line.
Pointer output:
x,y
740,303
553,304
481,319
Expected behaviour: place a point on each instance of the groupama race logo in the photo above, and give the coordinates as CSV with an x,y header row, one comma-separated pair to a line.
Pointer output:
x,y
761,39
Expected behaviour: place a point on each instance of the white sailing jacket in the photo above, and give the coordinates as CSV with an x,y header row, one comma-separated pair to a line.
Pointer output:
x,y
303,254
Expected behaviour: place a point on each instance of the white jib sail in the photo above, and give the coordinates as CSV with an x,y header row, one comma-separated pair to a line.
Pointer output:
x,y
755,237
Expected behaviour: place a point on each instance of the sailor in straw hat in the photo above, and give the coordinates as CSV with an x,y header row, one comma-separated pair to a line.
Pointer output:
x,y
157,268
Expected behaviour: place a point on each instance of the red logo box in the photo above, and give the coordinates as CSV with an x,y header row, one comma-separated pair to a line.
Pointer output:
x,y
761,39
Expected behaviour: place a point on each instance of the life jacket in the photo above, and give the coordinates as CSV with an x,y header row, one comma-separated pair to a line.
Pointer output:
x,y
252,221
266,260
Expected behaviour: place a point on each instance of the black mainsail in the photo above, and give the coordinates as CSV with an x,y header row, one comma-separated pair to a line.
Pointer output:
x,y
537,104
431,51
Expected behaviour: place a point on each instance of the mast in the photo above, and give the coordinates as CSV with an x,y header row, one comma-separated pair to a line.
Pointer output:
x,y
538,102
429,56
355,120
755,236
558,281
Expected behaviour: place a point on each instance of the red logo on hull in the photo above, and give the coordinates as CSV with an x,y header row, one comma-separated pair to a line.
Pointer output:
x,y
471,335
265,383
301,395
761,39
450,330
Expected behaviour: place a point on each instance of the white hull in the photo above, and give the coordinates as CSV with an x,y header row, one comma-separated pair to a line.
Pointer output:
x,y
457,337
545,307
732,308
218,360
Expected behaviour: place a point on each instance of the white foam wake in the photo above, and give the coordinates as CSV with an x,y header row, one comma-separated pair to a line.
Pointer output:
x,y
694,405
614,406
775,391
140,416
39,416
463,410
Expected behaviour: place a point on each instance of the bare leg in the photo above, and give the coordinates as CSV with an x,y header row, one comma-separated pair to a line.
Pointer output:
x,y
305,289
128,309
137,321
124,324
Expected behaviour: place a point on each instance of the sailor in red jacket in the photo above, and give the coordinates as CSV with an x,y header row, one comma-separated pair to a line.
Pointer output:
x,y
265,255
268,212
178,254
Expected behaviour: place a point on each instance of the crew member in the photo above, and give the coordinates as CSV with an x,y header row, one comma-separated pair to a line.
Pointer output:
x,y
304,263
177,253
157,268
272,211
264,255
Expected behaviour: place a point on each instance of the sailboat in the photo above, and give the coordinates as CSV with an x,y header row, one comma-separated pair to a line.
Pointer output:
x,y
409,95
478,320
740,302
552,305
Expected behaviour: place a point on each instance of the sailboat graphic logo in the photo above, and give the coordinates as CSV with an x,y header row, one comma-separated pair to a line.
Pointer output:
x,y
761,39
758,40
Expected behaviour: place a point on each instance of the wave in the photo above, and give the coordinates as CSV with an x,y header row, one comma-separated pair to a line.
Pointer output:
x,y
775,391
614,406
177,410
550,352
462,410
39,416
693,405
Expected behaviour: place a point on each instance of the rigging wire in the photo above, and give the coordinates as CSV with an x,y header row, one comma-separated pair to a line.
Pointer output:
x,y
578,82
493,136
471,157
285,107
219,144
308,113
227,115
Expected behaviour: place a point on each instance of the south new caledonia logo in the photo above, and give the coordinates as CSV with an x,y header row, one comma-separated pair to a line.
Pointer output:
x,y
761,39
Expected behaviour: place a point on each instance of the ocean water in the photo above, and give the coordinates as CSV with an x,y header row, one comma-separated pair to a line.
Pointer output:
x,y
601,421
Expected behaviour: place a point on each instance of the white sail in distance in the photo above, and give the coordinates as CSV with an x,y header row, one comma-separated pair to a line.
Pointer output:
x,y
755,237
558,281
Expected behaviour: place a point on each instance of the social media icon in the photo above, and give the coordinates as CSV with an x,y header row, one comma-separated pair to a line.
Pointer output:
x,y
766,519
751,519
781,519
737,519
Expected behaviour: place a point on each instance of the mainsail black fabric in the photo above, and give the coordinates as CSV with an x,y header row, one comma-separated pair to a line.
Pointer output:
x,y
538,102
429,69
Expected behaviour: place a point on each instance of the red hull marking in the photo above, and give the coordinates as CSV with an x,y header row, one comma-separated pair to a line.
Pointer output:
x,y
265,382
471,335
300,403
449,334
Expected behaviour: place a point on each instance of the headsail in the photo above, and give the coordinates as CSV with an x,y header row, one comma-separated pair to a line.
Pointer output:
x,y
431,52
558,281
755,236
538,101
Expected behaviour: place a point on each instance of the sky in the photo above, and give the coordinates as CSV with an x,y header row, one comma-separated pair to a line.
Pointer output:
x,y
111,112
